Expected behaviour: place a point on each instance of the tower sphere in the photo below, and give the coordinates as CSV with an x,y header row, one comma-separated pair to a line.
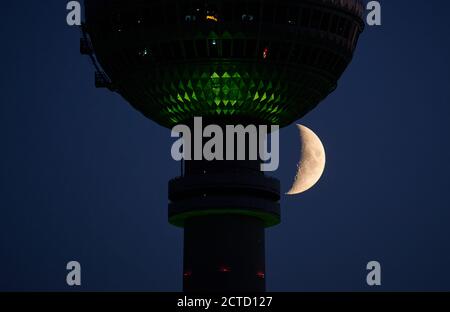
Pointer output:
x,y
264,61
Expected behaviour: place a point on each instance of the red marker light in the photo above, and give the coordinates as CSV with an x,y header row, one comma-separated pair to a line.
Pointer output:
x,y
265,53
187,274
224,269
261,274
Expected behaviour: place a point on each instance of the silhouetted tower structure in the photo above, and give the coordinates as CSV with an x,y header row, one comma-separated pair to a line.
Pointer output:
x,y
258,62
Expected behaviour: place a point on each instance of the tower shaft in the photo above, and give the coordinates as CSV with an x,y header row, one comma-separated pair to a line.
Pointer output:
x,y
224,207
224,253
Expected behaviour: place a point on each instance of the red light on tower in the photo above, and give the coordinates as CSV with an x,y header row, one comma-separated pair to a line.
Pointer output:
x,y
224,269
261,274
187,274
265,53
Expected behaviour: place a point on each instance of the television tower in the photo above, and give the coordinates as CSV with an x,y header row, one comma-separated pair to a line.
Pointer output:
x,y
232,62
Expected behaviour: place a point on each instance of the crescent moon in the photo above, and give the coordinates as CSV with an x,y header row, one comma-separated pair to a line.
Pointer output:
x,y
312,162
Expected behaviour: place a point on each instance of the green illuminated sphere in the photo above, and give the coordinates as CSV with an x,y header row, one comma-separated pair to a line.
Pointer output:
x,y
268,61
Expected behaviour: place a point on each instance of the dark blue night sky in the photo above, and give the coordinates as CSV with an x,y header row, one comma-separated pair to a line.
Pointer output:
x,y
84,176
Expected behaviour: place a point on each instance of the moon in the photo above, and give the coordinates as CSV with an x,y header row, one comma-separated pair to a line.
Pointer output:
x,y
312,162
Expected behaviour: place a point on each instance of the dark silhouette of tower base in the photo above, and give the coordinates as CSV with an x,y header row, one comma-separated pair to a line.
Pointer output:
x,y
224,207
224,253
